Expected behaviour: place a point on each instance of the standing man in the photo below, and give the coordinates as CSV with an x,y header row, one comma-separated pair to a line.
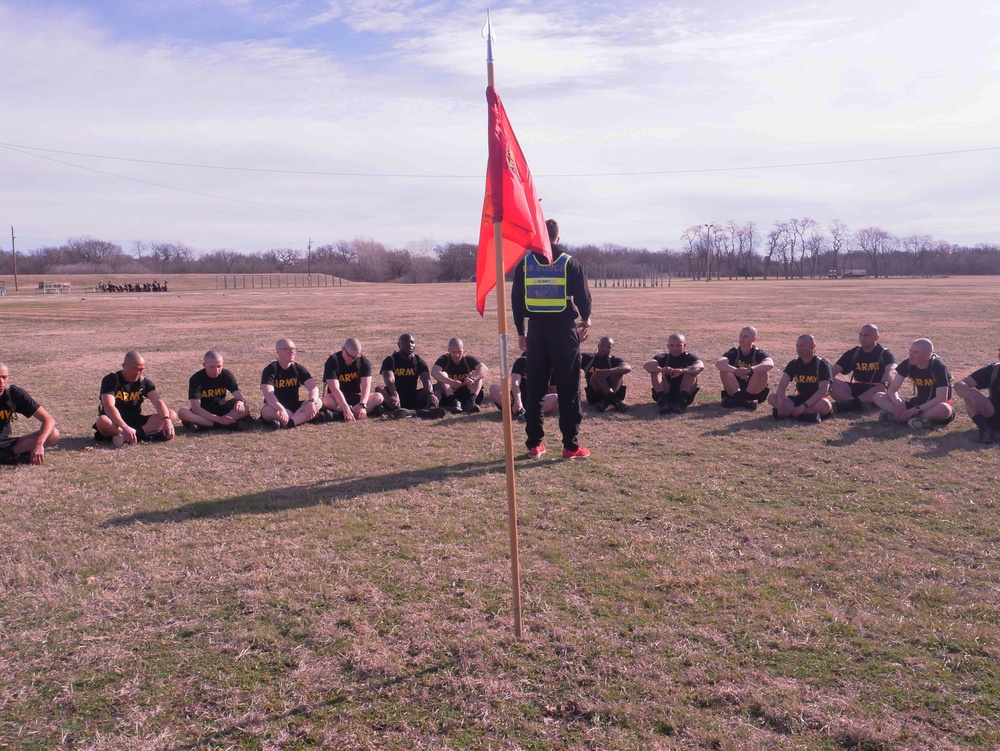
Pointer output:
x,y
404,372
603,377
674,375
348,378
552,296
119,414
207,390
984,409
31,447
743,371
870,367
932,381
280,382
812,375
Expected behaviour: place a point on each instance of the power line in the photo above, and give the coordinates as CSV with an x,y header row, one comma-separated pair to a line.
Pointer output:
x,y
708,170
180,190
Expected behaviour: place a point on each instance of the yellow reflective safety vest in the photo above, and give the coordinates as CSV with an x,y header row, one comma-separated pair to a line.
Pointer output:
x,y
545,284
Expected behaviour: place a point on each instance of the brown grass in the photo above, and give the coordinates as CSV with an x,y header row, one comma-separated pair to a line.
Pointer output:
x,y
714,580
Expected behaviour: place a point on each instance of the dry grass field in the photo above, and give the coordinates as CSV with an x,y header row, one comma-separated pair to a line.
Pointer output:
x,y
714,580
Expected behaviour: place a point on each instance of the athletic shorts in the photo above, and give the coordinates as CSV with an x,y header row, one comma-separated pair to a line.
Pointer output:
x,y
593,397
463,393
857,389
674,393
134,421
914,402
419,399
7,455
759,398
220,410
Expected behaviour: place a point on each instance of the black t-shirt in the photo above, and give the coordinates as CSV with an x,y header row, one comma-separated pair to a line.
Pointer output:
x,y
737,359
15,400
460,370
407,372
808,376
867,367
683,360
286,381
983,376
926,380
349,376
211,391
591,362
128,396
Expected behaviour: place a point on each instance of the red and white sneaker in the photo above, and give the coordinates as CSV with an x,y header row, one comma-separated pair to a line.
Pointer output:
x,y
580,453
535,452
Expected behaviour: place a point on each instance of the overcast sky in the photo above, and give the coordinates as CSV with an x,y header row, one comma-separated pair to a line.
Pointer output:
x,y
637,119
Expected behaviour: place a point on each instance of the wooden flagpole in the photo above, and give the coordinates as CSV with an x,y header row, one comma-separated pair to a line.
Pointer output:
x,y
508,428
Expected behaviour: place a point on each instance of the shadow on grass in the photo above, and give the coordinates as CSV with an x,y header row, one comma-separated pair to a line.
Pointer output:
x,y
325,492
243,728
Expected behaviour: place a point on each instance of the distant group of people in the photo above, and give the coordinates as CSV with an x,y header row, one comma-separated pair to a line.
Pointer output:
x,y
153,286
547,299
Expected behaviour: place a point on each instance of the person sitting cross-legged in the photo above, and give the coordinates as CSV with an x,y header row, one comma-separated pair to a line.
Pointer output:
x,y
348,378
932,381
870,366
674,376
604,376
207,391
407,391
743,371
120,418
28,448
811,375
460,379
984,409
519,391
280,383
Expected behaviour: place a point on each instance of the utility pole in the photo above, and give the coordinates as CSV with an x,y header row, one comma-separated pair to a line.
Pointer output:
x,y
13,253
309,262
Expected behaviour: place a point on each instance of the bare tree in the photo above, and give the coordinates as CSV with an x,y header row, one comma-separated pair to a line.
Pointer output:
x,y
876,243
840,237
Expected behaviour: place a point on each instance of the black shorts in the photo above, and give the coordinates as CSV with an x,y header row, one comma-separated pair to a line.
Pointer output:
x,y
463,393
221,410
915,402
419,399
759,398
293,406
593,397
674,393
857,389
7,455
134,421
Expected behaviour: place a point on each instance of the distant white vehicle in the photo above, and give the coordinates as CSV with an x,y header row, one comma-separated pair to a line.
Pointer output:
x,y
855,273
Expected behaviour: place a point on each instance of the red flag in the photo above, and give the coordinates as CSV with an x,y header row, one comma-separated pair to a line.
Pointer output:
x,y
510,200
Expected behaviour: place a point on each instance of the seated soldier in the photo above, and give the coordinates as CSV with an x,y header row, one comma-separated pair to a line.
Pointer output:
x,y
870,367
812,375
460,378
743,371
932,381
674,375
518,391
120,419
604,376
29,448
984,409
280,382
404,372
207,391
348,378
